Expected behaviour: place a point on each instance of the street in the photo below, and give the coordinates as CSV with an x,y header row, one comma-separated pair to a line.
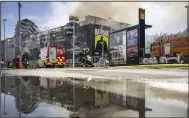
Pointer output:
x,y
161,78
57,60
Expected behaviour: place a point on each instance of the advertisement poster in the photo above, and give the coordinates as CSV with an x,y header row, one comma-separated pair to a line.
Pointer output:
x,y
101,41
118,44
118,39
101,97
132,43
124,42
111,41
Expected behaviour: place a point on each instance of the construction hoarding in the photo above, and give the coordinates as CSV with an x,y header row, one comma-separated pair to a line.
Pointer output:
x,y
86,36
118,44
132,46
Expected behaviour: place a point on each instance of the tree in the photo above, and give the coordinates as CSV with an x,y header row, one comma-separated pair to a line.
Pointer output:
x,y
165,36
157,37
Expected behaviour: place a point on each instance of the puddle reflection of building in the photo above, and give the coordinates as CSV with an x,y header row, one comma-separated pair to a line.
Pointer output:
x,y
133,98
74,97
57,92
136,101
92,102
26,97
24,89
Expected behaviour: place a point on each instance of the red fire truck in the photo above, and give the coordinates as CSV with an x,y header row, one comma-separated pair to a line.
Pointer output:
x,y
54,84
51,56
16,61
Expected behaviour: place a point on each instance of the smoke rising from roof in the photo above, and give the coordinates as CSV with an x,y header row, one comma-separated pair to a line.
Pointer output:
x,y
167,17
118,11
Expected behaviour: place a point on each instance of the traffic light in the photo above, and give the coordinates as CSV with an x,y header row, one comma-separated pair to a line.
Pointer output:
x,y
73,23
73,19
142,14
69,29
52,37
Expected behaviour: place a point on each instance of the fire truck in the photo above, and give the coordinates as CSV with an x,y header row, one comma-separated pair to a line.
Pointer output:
x,y
16,61
51,56
54,84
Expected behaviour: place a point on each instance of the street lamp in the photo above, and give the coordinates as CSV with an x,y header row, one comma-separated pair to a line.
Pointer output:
x,y
0,67
19,37
187,7
19,32
4,20
102,46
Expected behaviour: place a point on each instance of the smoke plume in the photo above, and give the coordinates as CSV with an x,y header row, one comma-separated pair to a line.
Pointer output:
x,y
118,11
167,17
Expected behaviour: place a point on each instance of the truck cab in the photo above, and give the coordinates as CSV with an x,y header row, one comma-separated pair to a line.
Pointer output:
x,y
51,56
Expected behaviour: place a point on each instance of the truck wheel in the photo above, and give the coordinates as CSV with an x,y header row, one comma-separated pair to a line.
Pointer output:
x,y
44,65
38,66
53,66
62,66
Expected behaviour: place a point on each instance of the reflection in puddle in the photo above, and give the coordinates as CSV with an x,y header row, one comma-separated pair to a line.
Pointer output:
x,y
90,97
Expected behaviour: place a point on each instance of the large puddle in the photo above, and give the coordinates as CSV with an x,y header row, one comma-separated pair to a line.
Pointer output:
x,y
90,97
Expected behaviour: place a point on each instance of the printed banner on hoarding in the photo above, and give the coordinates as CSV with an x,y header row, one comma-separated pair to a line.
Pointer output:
x,y
101,41
118,44
132,46
132,43
118,39
163,60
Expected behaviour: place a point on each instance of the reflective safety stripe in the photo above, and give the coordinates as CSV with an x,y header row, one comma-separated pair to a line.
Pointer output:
x,y
60,60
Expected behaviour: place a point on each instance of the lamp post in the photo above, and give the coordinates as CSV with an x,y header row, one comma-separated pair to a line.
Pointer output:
x,y
187,7
19,34
19,37
74,20
0,68
102,46
74,45
4,20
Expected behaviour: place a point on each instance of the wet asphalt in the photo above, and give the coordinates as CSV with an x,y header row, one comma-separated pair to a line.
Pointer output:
x,y
92,93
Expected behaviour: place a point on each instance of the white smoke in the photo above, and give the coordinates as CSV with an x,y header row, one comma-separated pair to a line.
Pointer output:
x,y
167,17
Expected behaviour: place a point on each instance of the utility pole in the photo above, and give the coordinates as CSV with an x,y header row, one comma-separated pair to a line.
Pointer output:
x,y
19,34
187,7
74,96
73,45
5,46
19,79
74,20
0,66
102,46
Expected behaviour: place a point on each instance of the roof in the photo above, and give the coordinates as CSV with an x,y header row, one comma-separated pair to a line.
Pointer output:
x,y
132,27
185,33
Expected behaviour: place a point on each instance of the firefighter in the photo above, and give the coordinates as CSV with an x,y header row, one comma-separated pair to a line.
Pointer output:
x,y
84,57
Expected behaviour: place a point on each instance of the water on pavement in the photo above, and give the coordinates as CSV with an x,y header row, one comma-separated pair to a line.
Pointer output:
x,y
35,96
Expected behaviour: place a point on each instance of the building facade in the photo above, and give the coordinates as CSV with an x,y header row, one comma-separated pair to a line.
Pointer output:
x,y
88,32
7,49
28,29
